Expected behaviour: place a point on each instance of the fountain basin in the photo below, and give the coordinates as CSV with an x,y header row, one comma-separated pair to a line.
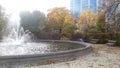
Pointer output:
x,y
56,56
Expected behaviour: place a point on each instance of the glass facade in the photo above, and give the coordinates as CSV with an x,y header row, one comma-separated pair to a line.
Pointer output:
x,y
84,5
93,6
75,8
100,3
79,6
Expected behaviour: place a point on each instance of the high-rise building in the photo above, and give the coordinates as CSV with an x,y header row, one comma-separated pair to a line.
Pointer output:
x,y
84,5
75,8
79,6
93,6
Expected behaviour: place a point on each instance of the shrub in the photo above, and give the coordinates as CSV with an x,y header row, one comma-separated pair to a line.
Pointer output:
x,y
103,37
64,38
117,38
76,36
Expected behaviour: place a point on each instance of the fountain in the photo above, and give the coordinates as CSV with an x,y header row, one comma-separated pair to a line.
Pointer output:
x,y
17,48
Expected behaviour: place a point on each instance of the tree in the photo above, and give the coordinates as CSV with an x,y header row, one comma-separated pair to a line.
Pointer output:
x,y
68,26
3,20
112,15
59,20
87,21
101,25
33,22
38,19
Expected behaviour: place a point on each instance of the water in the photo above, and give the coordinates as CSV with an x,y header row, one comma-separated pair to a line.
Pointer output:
x,y
35,48
19,42
17,36
15,40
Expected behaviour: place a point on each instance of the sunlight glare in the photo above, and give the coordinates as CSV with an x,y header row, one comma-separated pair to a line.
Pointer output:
x,y
30,5
14,7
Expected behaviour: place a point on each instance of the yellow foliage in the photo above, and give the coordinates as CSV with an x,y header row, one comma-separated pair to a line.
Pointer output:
x,y
87,19
61,19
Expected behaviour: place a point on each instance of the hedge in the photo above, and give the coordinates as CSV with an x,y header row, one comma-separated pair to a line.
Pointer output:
x,y
103,37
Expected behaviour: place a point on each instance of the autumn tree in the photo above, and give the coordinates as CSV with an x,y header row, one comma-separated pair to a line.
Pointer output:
x,y
87,21
60,20
101,25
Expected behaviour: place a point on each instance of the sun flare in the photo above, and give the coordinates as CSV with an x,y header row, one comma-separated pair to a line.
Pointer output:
x,y
14,7
30,5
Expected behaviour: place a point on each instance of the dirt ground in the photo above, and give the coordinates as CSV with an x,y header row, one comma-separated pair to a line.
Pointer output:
x,y
103,56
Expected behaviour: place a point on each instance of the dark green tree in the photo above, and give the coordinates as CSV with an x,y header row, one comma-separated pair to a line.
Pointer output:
x,y
3,20
33,22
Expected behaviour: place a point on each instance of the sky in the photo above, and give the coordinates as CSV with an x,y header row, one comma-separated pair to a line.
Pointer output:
x,y
14,7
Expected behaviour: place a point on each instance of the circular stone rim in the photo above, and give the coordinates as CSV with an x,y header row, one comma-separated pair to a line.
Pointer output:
x,y
73,53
